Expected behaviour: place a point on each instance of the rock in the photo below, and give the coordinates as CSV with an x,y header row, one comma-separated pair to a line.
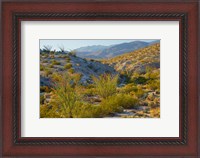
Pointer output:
x,y
142,108
90,68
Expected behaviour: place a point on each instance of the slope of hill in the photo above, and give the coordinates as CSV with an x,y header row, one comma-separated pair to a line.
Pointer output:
x,y
73,64
137,61
102,52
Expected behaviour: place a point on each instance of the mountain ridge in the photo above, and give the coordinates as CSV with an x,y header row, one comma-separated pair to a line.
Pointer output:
x,y
103,52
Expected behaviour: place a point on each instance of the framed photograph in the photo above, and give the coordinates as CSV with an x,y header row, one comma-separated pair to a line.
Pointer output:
x,y
100,79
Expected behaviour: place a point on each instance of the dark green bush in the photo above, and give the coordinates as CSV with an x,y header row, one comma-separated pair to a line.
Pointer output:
x,y
140,80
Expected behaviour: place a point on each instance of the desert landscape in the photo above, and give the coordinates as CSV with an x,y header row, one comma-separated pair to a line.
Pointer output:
x,y
119,80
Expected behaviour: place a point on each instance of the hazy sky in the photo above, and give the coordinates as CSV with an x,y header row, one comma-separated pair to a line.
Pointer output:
x,y
73,44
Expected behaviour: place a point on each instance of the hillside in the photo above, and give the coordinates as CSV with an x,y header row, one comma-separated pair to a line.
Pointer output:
x,y
137,61
141,70
50,64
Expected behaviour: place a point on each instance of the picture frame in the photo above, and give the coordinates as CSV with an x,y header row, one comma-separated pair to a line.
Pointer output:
x,y
187,144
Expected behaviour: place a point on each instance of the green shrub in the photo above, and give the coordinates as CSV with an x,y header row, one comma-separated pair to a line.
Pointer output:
x,y
54,62
42,99
85,110
116,103
51,66
155,74
140,80
56,77
154,85
89,92
140,92
106,85
126,75
45,89
47,72
71,70
41,67
148,72
127,101
49,111
68,66
66,94
107,107
128,88
90,86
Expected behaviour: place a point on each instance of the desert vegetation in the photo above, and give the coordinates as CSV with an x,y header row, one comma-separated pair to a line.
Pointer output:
x,y
125,86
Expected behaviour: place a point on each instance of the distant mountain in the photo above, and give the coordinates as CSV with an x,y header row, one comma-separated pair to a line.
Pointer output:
x,y
102,52
89,50
154,42
120,49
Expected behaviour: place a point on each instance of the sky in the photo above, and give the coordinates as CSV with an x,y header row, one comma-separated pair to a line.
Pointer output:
x,y
73,44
